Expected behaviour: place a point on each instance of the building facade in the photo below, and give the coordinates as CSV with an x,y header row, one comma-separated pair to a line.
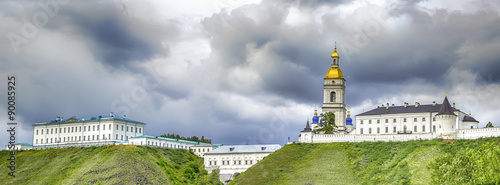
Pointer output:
x,y
389,123
85,131
235,159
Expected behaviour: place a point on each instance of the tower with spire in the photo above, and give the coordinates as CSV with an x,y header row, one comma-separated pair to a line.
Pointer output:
x,y
334,92
446,120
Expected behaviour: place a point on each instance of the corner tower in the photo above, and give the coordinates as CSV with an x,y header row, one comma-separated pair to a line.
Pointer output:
x,y
334,92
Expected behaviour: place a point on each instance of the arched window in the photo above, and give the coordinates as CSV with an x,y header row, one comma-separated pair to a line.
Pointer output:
x,y
333,97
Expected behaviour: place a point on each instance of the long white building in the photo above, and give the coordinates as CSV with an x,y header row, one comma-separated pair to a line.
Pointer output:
x,y
389,122
85,131
235,159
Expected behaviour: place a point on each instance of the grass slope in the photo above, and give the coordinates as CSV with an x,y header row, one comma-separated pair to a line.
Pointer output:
x,y
113,164
413,162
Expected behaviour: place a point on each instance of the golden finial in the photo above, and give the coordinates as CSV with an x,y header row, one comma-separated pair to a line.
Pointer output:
x,y
335,54
447,92
315,110
470,113
348,112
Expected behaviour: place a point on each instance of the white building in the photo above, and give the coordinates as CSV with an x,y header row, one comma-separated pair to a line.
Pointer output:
x,y
203,148
20,146
198,148
85,131
235,159
389,123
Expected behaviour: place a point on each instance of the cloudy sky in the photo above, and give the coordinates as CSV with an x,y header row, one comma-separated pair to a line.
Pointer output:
x,y
243,72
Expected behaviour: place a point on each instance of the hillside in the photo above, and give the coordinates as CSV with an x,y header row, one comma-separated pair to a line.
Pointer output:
x,y
413,162
120,164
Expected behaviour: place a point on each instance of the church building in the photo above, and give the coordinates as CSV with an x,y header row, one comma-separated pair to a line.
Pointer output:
x,y
388,122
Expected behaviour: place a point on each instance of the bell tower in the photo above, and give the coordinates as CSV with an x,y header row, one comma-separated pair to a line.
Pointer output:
x,y
334,93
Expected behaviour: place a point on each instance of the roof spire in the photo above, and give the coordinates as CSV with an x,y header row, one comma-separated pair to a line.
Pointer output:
x,y
335,54
315,110
308,128
446,108
348,112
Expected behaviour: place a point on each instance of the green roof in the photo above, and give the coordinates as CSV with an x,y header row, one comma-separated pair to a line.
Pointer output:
x,y
176,140
22,144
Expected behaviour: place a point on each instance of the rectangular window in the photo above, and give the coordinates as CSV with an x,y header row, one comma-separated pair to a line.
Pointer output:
x,y
210,163
215,163
415,129
127,128
386,129
139,130
59,130
116,127
116,136
109,128
414,119
47,133
50,140
51,132
404,120
98,126
434,119
36,140
135,129
79,138
83,136
394,120
93,137
369,121
93,127
386,120
72,129
89,128
434,128
378,130
97,137
423,119
80,129
361,131
103,127
369,130
378,121
122,137
84,128
109,136
423,128
36,132
122,127
394,131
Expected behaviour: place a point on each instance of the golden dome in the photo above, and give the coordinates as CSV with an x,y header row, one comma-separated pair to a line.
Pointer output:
x,y
334,72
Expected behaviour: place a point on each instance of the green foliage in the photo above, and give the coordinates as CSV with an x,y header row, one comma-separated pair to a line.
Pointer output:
x,y
113,164
192,138
328,121
489,125
435,161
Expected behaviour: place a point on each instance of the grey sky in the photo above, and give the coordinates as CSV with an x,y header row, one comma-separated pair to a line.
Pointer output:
x,y
243,72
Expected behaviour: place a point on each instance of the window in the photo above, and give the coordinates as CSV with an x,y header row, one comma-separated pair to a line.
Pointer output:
x,y
423,119
36,132
415,129
361,131
404,120
434,119
116,127
42,131
369,121
378,130
122,127
423,128
361,122
121,137
103,127
234,162
64,139
378,121
414,119
369,130
109,136
386,120
50,140
36,140
103,137
394,120
332,96
51,132
79,138
59,130
127,128
97,137
434,128
215,163
93,128
135,129
471,126
84,128
210,163
386,129
83,136
80,128
93,138
394,131
72,129
109,128
47,132
98,126
139,130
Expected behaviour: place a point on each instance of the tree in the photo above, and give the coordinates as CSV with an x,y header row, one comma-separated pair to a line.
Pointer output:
x,y
328,122
489,125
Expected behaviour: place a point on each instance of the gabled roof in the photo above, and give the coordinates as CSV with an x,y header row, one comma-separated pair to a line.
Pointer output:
x,y
403,110
89,118
446,108
231,149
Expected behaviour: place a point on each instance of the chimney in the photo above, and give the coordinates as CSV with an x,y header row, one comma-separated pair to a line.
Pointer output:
x,y
111,114
453,105
406,104
387,107
433,103
393,105
416,104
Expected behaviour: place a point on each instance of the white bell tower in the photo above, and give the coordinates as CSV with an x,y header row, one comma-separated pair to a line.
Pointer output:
x,y
334,93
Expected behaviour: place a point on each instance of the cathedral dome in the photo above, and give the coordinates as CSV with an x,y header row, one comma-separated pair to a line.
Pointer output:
x,y
315,119
348,121
334,72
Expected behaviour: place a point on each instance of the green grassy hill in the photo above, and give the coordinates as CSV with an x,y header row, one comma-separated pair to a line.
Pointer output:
x,y
414,162
120,164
